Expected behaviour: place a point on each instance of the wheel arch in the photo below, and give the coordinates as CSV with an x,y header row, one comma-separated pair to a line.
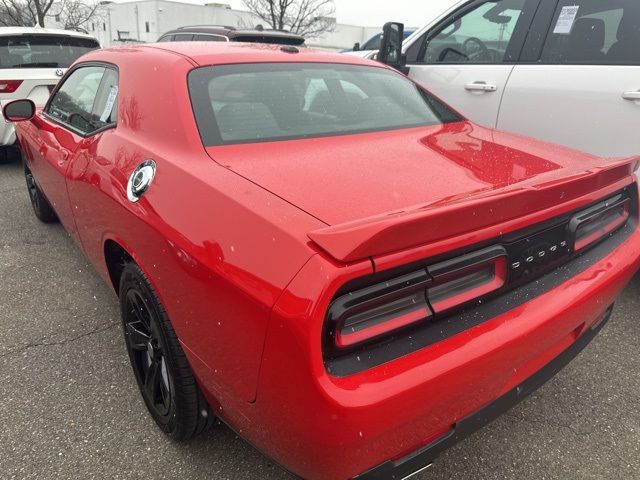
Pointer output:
x,y
116,256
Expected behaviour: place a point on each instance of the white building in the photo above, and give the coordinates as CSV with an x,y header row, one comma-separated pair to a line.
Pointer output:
x,y
146,20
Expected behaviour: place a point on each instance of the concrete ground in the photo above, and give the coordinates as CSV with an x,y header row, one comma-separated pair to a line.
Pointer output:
x,y
71,410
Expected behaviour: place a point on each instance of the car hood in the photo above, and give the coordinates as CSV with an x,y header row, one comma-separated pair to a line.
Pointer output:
x,y
353,182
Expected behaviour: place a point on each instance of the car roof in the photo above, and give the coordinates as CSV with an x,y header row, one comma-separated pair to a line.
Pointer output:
x,y
224,53
233,32
4,31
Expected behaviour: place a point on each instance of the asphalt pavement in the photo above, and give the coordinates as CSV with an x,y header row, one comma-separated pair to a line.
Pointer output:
x,y
70,408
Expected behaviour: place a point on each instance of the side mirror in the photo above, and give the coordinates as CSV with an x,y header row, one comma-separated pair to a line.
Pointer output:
x,y
391,47
19,110
356,47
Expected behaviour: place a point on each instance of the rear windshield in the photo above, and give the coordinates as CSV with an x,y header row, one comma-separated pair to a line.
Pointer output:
x,y
42,51
251,103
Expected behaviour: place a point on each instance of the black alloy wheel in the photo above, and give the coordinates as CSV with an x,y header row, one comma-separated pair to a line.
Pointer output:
x,y
160,366
41,206
146,348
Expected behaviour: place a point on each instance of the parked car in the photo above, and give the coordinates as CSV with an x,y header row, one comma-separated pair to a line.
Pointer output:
x,y
32,60
213,33
320,252
373,44
565,71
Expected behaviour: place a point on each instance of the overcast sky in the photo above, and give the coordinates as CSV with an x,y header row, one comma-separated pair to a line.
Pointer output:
x,y
413,13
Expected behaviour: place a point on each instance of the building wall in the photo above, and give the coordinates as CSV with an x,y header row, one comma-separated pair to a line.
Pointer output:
x,y
147,20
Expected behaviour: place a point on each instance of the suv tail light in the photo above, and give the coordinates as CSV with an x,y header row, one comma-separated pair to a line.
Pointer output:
x,y
364,315
599,221
9,86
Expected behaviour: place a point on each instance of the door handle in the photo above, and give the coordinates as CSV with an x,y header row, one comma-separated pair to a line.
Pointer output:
x,y
633,96
480,87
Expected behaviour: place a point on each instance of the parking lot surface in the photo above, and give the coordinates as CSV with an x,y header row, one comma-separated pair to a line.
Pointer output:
x,y
71,408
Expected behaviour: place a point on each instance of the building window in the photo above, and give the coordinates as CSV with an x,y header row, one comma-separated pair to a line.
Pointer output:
x,y
146,26
58,17
93,27
104,27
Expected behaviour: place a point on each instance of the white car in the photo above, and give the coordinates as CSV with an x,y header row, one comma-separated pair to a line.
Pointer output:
x,y
565,71
32,60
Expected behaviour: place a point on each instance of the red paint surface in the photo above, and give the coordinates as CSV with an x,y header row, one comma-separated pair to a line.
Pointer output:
x,y
247,289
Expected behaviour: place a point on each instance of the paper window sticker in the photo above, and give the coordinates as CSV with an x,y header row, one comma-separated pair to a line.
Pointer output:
x,y
111,100
566,19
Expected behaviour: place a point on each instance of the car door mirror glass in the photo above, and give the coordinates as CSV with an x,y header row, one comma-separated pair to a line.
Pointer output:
x,y
19,110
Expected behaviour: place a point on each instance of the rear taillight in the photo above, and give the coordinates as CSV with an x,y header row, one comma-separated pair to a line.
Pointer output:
x,y
426,303
375,311
9,86
368,314
596,223
466,278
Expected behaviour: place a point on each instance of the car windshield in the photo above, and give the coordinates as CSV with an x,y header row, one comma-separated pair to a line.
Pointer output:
x,y
42,51
250,103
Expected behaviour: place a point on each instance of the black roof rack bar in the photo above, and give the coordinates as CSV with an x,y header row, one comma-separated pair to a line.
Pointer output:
x,y
228,27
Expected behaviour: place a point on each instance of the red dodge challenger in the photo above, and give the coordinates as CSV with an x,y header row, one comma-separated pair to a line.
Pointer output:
x,y
317,251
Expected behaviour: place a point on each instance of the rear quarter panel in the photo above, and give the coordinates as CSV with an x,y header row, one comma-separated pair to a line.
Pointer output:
x,y
218,249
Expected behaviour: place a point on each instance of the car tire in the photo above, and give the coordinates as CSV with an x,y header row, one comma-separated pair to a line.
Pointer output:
x,y
160,366
10,154
41,206
4,155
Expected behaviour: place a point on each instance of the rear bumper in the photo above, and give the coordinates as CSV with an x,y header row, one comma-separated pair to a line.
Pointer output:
x,y
393,419
423,457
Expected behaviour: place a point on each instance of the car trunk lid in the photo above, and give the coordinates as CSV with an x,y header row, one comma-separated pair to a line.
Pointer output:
x,y
383,192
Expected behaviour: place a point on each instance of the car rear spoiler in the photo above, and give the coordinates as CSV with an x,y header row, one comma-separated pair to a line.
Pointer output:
x,y
401,230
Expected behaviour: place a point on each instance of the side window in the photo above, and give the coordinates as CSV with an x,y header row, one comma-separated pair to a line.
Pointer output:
x,y
592,32
73,102
183,37
166,38
481,35
209,38
105,110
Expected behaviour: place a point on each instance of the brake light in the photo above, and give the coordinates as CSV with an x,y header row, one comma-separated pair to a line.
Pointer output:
x,y
466,278
381,309
594,224
424,299
372,312
9,86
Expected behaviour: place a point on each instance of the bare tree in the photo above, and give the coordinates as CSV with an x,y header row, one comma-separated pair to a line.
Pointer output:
x,y
24,12
72,14
16,13
77,14
309,18
39,9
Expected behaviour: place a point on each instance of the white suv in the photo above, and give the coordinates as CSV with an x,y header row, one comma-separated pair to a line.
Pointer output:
x,y
565,71
32,60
